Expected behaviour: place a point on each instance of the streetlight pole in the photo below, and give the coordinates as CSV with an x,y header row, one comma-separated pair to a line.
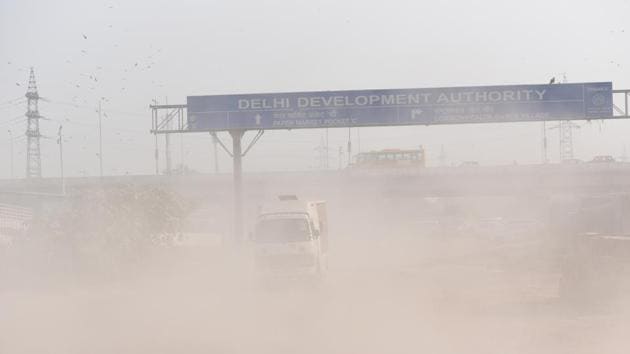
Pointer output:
x,y
60,142
11,150
349,147
340,156
327,154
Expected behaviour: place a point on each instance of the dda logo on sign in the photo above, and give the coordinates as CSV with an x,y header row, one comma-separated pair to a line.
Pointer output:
x,y
598,99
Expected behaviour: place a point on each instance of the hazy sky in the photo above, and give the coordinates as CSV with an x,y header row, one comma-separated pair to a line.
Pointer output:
x,y
141,50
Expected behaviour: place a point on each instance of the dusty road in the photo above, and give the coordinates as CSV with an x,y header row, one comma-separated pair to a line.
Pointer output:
x,y
386,296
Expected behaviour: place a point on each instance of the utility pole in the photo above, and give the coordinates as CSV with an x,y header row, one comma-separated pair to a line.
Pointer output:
x,y
340,157
327,151
544,143
167,142
181,153
60,142
11,151
321,154
157,156
565,129
349,147
100,140
33,155
156,153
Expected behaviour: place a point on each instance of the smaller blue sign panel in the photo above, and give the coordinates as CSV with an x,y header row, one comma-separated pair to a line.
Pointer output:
x,y
427,106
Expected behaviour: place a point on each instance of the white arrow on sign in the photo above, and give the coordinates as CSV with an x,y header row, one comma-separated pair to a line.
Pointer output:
x,y
258,118
415,113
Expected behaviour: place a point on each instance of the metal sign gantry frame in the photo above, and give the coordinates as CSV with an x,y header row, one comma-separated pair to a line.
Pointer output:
x,y
623,111
176,113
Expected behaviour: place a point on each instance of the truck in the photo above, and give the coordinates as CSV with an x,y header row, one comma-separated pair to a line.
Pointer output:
x,y
290,237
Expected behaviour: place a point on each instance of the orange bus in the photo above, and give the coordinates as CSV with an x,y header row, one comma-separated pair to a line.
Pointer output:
x,y
391,158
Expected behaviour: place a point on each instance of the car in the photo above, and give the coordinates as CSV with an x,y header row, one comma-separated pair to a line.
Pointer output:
x,y
603,159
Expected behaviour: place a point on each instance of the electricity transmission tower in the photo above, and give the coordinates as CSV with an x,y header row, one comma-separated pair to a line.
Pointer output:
x,y
566,139
565,131
565,128
33,156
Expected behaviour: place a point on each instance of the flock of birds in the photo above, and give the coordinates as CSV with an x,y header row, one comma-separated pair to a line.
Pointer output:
x,y
91,86
143,64
105,77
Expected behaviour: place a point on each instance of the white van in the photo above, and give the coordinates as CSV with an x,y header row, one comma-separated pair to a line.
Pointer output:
x,y
291,236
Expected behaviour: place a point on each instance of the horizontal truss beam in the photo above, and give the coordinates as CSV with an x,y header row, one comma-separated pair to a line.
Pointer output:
x,y
621,110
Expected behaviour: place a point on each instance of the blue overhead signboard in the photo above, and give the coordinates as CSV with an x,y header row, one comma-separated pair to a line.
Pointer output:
x,y
427,106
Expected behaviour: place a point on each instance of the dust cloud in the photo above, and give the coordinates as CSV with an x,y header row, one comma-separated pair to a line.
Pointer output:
x,y
408,270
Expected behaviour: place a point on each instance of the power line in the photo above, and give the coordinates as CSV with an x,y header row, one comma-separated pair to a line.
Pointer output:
x,y
14,120
12,105
115,111
13,101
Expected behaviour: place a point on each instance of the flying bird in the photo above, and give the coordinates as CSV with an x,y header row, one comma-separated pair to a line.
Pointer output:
x,y
552,81
17,84
84,36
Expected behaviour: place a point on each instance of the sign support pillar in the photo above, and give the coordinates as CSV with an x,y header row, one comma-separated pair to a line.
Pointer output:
x,y
216,155
237,175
